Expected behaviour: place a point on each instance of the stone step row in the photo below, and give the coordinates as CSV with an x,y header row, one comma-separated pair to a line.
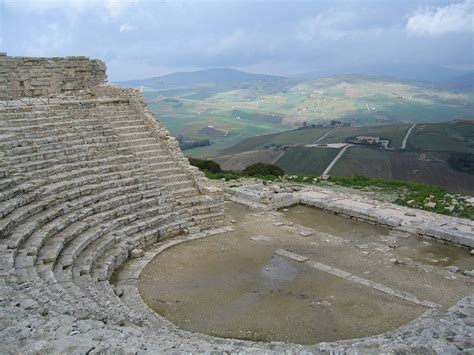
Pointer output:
x,y
51,207
88,238
82,156
35,178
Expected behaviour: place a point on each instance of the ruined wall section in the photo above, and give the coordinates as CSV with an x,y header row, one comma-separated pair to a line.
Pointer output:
x,y
43,77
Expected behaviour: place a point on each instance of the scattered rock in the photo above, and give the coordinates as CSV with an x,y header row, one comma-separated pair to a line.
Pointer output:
x,y
118,291
306,233
278,224
430,204
396,261
452,269
285,210
469,273
233,221
410,214
137,253
276,188
260,238
383,248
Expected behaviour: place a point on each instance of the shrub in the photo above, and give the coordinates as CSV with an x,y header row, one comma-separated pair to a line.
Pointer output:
x,y
262,169
205,165
463,162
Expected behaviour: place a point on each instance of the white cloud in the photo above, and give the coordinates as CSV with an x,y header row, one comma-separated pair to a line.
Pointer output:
x,y
455,18
113,8
328,24
127,28
51,41
116,8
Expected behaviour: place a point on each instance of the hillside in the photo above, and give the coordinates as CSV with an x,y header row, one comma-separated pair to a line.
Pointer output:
x,y
208,77
425,158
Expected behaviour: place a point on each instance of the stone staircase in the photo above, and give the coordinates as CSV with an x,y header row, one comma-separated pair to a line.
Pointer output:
x,y
82,184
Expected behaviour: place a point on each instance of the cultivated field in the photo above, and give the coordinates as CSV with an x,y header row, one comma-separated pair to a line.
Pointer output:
x,y
306,161
445,137
394,133
376,163
261,108
293,137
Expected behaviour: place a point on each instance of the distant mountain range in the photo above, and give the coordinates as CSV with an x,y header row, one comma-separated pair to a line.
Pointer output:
x,y
223,77
462,83
207,77
403,72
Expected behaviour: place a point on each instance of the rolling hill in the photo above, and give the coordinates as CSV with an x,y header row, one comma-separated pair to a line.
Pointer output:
x,y
248,105
207,77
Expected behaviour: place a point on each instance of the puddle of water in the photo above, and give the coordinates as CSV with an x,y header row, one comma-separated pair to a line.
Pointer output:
x,y
435,254
416,248
233,287
333,224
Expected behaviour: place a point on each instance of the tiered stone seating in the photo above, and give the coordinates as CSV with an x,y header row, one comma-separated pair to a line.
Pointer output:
x,y
84,182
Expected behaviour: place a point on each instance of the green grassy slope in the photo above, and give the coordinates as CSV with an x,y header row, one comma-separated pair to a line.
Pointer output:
x,y
306,161
298,136
445,137
262,107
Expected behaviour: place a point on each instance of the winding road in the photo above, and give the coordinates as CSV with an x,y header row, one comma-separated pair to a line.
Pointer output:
x,y
334,161
404,143
324,135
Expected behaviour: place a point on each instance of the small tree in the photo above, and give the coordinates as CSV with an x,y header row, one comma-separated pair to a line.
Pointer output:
x,y
262,169
205,165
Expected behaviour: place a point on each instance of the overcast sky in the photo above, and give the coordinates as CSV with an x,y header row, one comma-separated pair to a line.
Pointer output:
x,y
144,38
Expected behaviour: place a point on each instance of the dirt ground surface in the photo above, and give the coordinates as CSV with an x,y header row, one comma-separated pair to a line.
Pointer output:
x,y
236,285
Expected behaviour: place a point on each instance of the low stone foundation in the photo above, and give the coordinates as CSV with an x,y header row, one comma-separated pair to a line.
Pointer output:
x,y
448,229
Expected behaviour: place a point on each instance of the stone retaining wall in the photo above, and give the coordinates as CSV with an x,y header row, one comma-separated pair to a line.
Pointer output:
x,y
26,76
